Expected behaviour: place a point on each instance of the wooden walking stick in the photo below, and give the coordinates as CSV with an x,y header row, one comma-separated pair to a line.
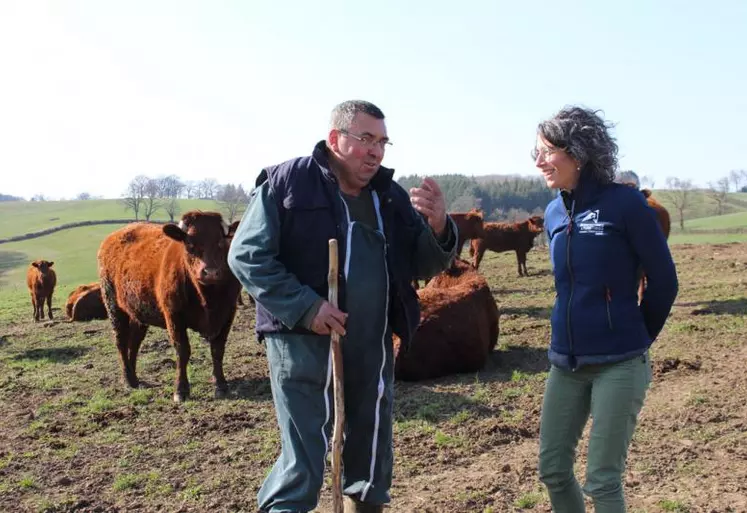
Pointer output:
x,y
339,390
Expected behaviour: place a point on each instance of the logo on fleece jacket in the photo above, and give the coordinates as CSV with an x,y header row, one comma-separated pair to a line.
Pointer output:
x,y
589,223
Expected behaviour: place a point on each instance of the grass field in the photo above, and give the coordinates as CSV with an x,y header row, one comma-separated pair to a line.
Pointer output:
x,y
19,217
74,439
735,220
702,205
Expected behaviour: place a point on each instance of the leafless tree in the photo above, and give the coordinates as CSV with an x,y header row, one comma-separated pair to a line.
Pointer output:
x,y
648,182
169,186
208,188
135,195
718,192
681,194
191,189
233,200
171,206
151,203
736,177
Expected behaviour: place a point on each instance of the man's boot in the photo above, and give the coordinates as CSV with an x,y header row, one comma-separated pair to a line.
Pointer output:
x,y
353,505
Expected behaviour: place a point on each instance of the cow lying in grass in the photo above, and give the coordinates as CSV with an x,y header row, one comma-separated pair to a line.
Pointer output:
x,y
458,326
85,303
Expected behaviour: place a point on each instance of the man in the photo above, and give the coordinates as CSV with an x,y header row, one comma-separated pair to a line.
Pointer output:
x,y
280,255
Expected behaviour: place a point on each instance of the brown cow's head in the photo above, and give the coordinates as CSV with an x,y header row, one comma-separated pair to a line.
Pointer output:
x,y
473,220
536,223
42,265
206,238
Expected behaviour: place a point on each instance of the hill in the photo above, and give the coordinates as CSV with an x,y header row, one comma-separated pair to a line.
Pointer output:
x,y
29,216
72,251
701,204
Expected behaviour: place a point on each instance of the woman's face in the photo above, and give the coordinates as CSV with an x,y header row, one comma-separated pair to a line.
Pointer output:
x,y
560,170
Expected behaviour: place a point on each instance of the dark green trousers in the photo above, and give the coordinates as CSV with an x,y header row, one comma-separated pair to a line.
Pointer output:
x,y
301,381
613,395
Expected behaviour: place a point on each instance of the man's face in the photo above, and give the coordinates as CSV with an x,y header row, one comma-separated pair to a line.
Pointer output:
x,y
360,149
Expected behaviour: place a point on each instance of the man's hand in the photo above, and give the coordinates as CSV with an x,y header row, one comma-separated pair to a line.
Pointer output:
x,y
429,201
329,319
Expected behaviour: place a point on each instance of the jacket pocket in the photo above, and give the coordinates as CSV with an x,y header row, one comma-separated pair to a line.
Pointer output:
x,y
607,302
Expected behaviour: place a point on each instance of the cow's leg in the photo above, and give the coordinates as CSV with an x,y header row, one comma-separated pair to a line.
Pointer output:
x,y
136,335
217,350
460,243
33,304
40,308
518,261
479,253
121,324
179,338
121,327
521,257
49,305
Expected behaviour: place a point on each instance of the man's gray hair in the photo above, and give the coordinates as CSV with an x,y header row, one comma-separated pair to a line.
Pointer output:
x,y
628,176
584,135
343,114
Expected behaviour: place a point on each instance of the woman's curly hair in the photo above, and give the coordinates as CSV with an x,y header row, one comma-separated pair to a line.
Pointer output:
x,y
584,135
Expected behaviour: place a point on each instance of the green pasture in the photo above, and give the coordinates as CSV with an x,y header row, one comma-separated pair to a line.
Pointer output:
x,y
73,252
727,221
20,217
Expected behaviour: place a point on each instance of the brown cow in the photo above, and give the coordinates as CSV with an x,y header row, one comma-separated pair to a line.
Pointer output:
x,y
469,226
664,221
41,280
499,237
173,277
85,303
458,327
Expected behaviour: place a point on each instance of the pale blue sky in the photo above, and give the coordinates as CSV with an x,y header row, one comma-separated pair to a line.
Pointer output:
x,y
94,92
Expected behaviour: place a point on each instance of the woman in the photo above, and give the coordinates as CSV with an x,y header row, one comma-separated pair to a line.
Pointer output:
x,y
600,234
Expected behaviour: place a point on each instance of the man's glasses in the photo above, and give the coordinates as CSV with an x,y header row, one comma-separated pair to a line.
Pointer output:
x,y
368,141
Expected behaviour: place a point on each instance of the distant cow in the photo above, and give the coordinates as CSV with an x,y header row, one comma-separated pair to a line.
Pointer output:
x,y
85,303
499,237
173,277
469,226
458,327
41,280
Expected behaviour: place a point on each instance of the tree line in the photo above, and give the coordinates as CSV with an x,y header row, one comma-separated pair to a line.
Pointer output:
x,y
145,195
500,197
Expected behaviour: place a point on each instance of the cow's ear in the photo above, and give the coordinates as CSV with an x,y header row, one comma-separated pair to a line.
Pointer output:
x,y
35,264
232,228
172,231
50,264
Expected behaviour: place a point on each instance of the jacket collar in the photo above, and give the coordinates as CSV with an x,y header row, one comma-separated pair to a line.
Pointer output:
x,y
586,189
380,182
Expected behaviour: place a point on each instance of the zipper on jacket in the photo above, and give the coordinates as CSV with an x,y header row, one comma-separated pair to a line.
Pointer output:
x,y
570,272
608,300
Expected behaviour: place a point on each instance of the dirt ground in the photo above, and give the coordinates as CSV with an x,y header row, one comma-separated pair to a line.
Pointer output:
x,y
72,438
